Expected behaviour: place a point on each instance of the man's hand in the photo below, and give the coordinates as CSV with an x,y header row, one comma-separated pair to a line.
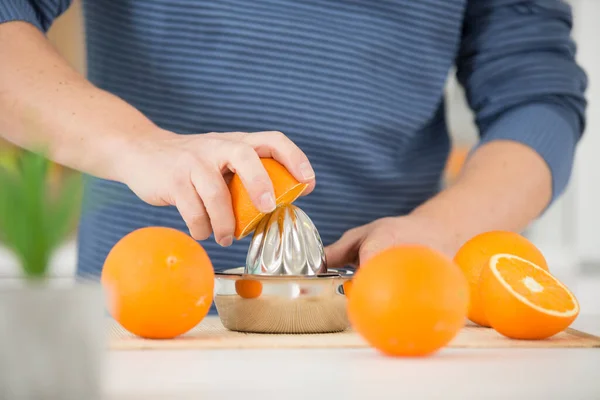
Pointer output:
x,y
191,172
360,244
46,104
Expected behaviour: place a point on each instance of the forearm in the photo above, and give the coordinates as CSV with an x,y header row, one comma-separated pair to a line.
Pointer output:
x,y
46,105
529,103
504,185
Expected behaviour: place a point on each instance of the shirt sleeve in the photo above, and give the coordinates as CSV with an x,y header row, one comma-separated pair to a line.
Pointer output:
x,y
517,65
40,13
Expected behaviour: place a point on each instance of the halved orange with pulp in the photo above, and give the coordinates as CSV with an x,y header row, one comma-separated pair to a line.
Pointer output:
x,y
524,301
287,190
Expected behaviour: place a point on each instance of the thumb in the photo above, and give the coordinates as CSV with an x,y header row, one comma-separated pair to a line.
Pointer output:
x,y
345,250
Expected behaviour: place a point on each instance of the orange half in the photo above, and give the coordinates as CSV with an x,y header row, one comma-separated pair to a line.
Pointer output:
x,y
524,301
287,190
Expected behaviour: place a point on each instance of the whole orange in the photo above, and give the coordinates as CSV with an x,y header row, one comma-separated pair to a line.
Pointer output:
x,y
159,282
248,288
475,254
408,300
347,286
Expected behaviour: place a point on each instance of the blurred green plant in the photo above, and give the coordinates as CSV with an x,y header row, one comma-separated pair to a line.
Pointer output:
x,y
36,214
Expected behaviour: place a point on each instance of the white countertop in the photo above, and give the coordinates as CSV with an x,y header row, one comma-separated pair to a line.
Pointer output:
x,y
355,374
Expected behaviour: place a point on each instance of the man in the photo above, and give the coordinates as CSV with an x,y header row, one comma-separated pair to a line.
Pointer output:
x,y
181,92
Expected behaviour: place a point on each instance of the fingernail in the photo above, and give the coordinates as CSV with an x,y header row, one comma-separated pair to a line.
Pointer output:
x,y
267,202
226,241
307,171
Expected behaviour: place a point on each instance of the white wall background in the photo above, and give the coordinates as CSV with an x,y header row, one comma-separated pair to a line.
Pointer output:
x,y
585,209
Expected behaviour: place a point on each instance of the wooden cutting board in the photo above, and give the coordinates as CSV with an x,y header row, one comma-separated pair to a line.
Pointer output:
x,y
210,334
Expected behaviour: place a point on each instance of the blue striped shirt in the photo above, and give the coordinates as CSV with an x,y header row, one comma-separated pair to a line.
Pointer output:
x,y
358,85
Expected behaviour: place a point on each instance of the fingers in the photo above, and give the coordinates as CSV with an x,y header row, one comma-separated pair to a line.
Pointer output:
x,y
217,200
371,247
245,162
201,193
381,236
276,145
192,211
345,250
203,200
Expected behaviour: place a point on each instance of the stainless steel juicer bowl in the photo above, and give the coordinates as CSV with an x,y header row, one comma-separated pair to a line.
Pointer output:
x,y
285,286
282,303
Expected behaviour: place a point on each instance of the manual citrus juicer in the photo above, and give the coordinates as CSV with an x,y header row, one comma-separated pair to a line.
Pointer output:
x,y
285,286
